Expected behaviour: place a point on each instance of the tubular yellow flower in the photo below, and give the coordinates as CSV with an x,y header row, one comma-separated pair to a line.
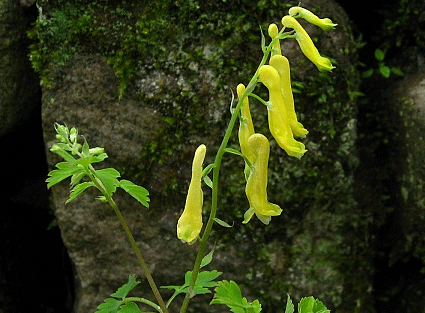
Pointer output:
x,y
273,32
246,128
281,64
324,23
190,222
306,44
277,113
256,186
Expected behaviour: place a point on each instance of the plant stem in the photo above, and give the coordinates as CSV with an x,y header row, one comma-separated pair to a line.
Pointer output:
x,y
130,237
216,173
139,257
143,300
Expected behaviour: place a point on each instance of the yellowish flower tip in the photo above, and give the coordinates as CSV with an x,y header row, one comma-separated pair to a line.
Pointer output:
x,y
281,64
190,222
277,113
256,186
306,44
273,32
246,128
324,23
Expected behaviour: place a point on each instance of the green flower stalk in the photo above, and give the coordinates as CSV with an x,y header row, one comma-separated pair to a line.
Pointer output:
x,y
306,44
324,23
277,113
281,64
190,222
256,186
246,128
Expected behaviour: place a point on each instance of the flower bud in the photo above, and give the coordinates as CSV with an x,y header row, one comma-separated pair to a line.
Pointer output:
x,y
324,23
190,222
73,135
246,128
96,151
306,44
273,32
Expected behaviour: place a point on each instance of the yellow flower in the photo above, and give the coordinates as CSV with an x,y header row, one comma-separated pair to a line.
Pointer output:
x,y
277,113
273,32
324,23
246,128
281,64
190,222
256,186
306,44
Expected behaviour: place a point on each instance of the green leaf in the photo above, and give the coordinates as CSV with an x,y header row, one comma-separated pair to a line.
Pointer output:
x,y
109,306
75,179
289,305
207,169
229,293
85,149
233,151
208,181
367,73
207,259
319,307
113,303
379,55
137,192
63,171
123,291
222,223
108,176
86,161
385,71
306,305
204,281
397,71
130,307
78,189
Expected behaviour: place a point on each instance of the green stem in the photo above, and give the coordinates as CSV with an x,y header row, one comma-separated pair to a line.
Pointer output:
x,y
144,301
131,239
216,173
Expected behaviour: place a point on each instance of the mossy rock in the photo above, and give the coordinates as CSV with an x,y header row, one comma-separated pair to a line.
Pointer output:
x,y
172,64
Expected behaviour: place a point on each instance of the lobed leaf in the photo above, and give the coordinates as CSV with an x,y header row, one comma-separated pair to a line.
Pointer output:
x,y
63,171
204,281
306,305
123,291
229,293
289,305
137,192
311,305
78,189
108,177
109,306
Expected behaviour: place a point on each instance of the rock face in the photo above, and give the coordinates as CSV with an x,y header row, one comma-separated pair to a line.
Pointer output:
x,y
19,85
175,95
404,222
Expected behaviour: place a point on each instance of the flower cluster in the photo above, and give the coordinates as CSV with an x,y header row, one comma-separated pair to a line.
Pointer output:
x,y
283,124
